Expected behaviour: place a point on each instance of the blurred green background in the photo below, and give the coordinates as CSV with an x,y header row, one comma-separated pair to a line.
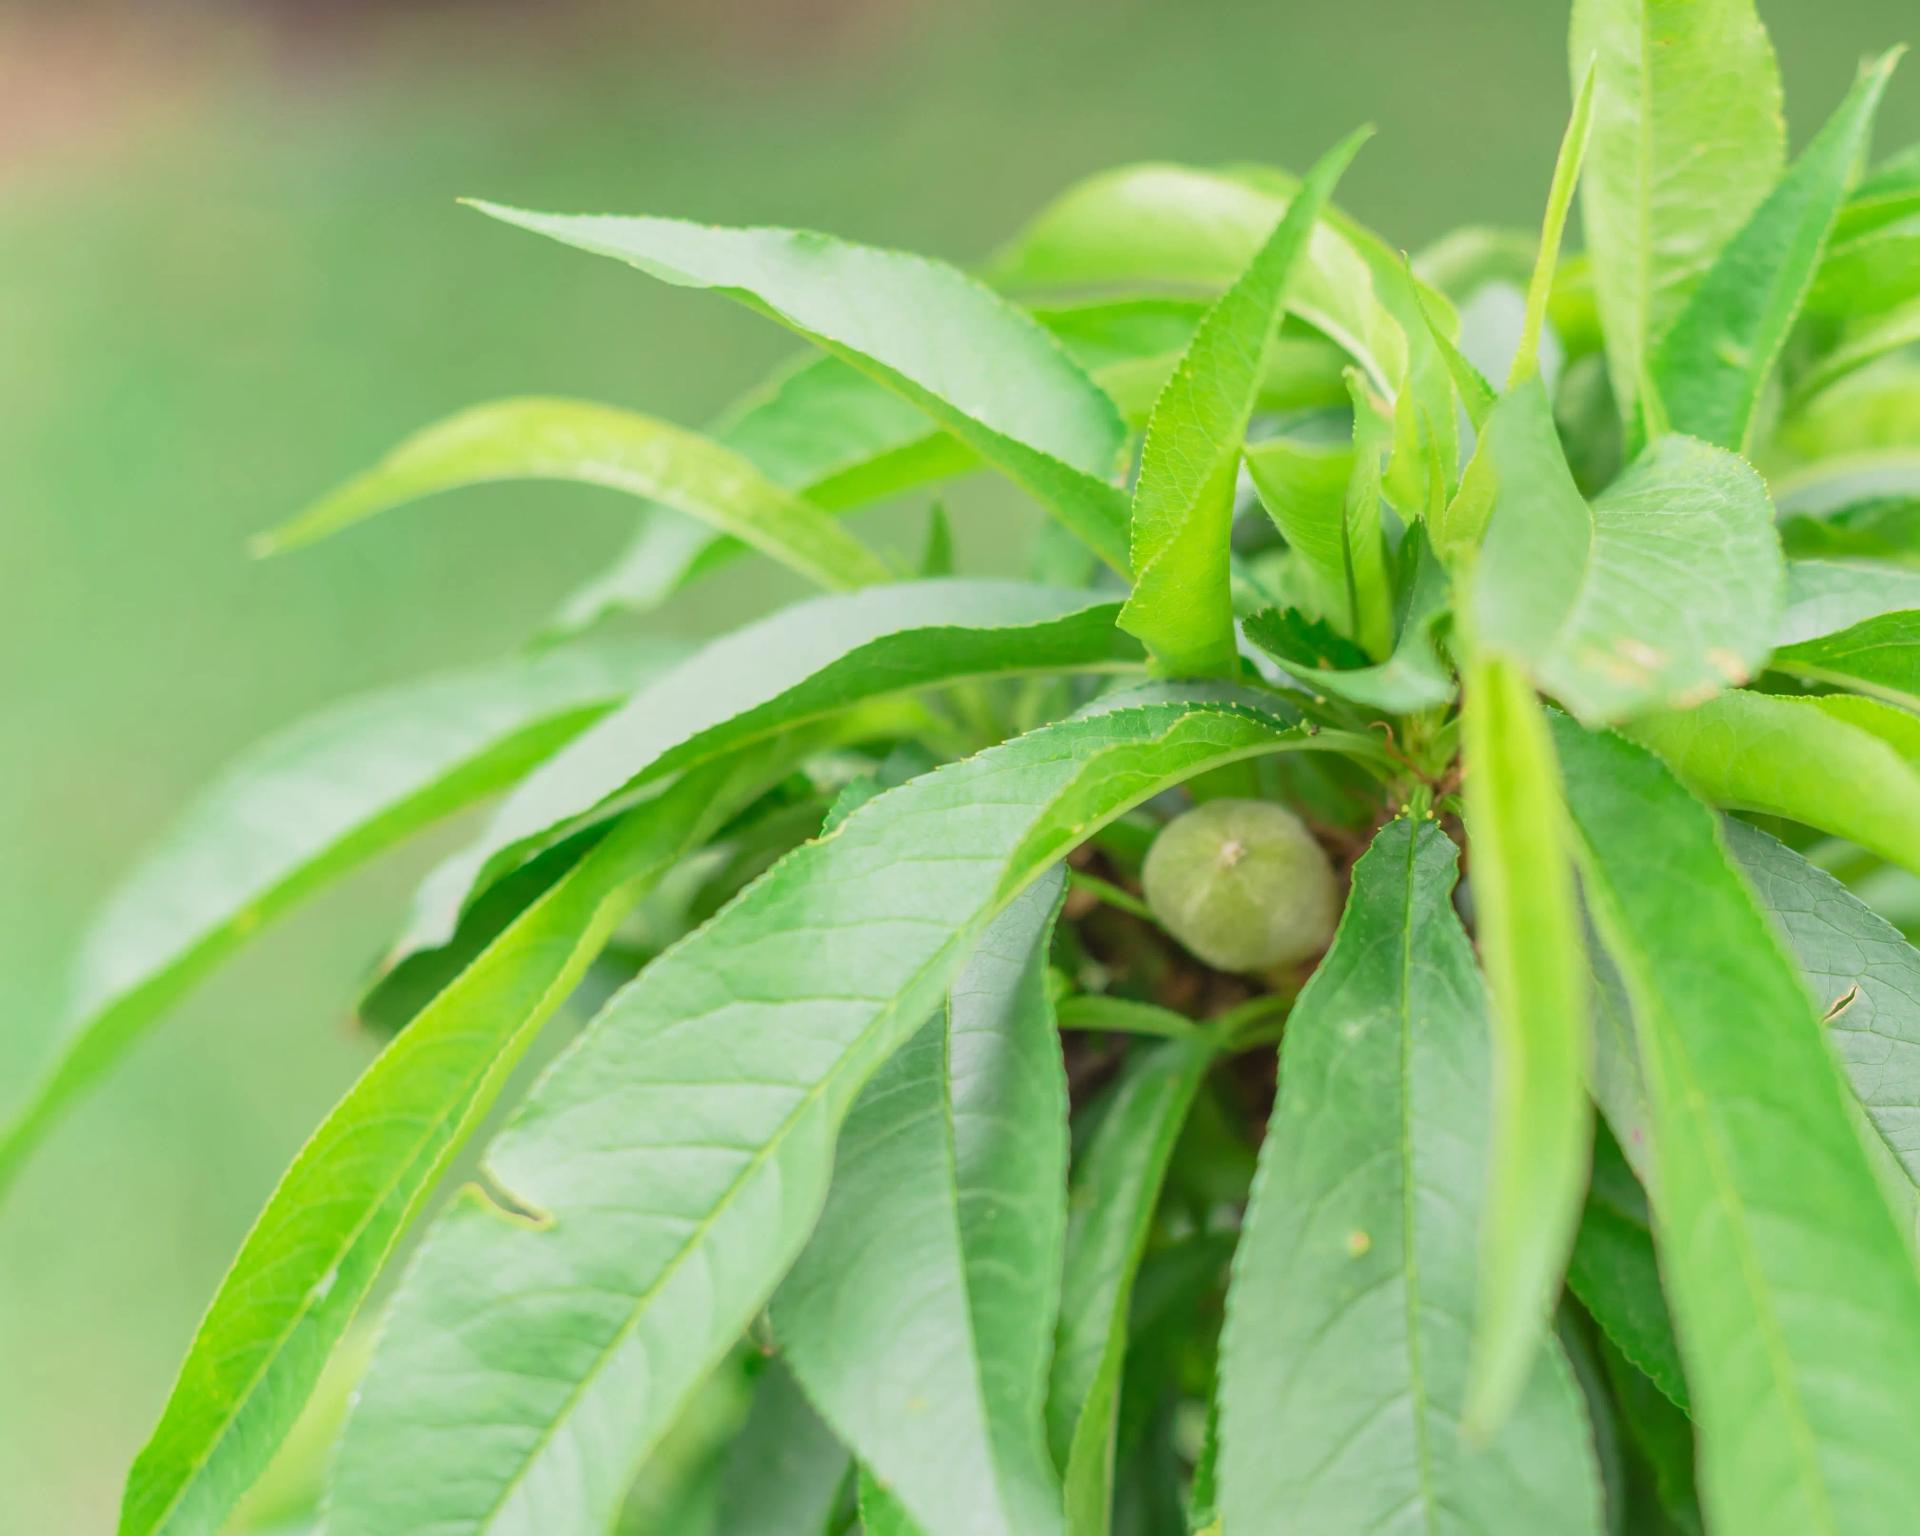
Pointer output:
x,y
232,271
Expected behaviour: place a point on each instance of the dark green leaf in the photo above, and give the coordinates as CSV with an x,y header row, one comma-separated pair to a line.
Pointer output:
x,y
785,1471
1344,1363
1614,1272
1713,364
942,1235
659,1181
1116,1187
1794,1294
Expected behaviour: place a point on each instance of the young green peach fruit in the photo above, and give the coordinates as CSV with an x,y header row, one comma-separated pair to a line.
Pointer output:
x,y
1242,884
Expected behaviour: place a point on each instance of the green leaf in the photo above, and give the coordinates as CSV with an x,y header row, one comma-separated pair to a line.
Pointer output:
x,y
334,1220
1566,176
1687,139
1862,975
658,1182
1535,955
980,367
1412,678
1183,500
1794,1294
803,663
1866,341
942,1235
1852,624
822,430
1793,757
1303,486
1662,590
1868,269
1343,1366
1660,1452
785,1470
542,439
1172,227
295,811
1116,1187
1615,1274
1713,364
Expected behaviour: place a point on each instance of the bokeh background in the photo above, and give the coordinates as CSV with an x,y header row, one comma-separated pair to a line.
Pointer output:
x,y
232,271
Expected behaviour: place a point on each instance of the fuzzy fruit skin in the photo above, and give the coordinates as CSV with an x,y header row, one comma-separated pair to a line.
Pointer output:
x,y
1243,885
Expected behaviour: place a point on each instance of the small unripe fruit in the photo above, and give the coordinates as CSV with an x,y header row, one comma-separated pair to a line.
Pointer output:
x,y
1243,885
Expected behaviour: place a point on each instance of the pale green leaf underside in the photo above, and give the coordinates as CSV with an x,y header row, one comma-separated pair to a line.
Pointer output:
x,y
297,810
1794,1293
1529,927
545,439
1687,139
1799,758
674,1160
919,1316
1713,364
1863,976
1661,591
1182,513
340,1209
978,365
800,664
1344,1362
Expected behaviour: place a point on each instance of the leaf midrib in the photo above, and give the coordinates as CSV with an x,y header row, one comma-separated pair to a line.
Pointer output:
x,y
1423,1448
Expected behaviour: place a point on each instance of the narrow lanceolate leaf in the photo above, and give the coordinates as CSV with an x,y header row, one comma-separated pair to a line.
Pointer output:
x,y
293,813
1662,590
1801,759
942,1236
1535,954
1863,977
1714,363
1687,139
1794,1293
540,439
1116,1187
1615,1274
1344,1362
1183,501
785,1470
660,1180
980,367
1852,624
1173,227
337,1214
807,662
1553,225
822,430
